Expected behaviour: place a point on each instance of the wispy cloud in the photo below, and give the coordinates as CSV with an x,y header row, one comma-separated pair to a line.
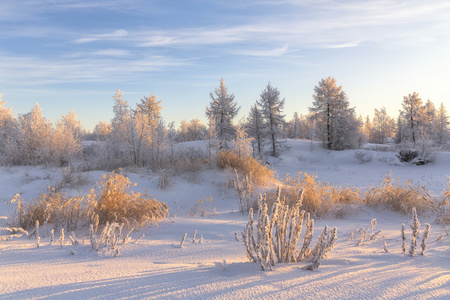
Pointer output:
x,y
102,37
36,71
264,53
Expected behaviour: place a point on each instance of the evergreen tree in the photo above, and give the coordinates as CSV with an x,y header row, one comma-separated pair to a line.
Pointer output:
x,y
255,129
273,119
222,109
336,121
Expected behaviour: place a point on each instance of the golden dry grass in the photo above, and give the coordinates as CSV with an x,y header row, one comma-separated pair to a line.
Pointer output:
x,y
246,166
399,197
116,203
111,201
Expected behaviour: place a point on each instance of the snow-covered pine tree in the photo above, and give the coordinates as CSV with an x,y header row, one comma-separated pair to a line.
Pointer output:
x,y
223,109
336,122
273,119
255,127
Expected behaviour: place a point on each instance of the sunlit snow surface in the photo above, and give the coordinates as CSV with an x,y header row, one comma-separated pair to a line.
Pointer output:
x,y
157,268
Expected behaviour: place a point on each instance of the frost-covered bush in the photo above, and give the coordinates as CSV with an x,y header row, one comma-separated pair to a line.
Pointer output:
x,y
273,239
407,155
399,197
363,157
114,202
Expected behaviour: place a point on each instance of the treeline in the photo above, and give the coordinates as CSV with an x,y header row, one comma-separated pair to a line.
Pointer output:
x,y
139,136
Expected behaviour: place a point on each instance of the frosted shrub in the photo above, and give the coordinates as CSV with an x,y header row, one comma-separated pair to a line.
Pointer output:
x,y
275,236
403,238
399,197
116,203
182,240
12,232
244,188
363,157
426,233
415,232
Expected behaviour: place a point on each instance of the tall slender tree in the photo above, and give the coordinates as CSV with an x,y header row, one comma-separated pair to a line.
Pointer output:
x,y
255,127
223,109
271,110
413,114
441,126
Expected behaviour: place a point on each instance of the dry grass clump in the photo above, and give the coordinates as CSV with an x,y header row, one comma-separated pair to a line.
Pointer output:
x,y
53,207
116,203
246,166
443,215
112,201
318,198
399,197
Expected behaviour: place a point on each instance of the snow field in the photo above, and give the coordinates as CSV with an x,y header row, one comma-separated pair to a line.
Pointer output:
x,y
156,267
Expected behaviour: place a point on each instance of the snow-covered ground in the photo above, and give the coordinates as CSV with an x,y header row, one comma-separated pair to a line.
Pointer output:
x,y
157,267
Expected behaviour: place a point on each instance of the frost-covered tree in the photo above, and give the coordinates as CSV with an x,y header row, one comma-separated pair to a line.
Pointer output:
x,y
121,111
429,116
223,109
294,127
382,127
102,130
33,142
7,126
66,139
271,110
255,127
413,114
337,124
151,109
195,130
441,133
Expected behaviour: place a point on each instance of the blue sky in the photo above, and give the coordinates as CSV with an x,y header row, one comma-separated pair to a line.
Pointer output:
x,y
74,54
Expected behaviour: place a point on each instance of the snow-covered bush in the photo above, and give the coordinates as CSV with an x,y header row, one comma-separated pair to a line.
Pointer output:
x,y
245,188
274,237
8,233
399,197
407,155
363,157
114,202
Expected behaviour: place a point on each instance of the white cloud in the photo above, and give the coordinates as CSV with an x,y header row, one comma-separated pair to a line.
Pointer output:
x,y
100,37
